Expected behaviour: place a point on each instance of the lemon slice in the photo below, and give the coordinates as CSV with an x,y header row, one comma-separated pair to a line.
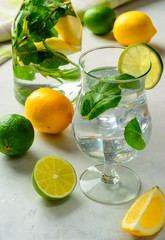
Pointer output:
x,y
70,30
53,177
147,214
57,44
136,60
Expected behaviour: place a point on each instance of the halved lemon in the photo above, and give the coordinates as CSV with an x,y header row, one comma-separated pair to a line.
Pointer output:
x,y
54,178
147,214
136,60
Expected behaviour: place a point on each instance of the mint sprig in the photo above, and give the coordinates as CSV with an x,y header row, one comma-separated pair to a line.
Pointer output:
x,y
35,23
133,135
102,97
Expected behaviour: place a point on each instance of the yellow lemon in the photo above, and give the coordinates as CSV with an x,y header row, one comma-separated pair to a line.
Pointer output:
x,y
147,214
133,27
57,44
70,30
49,111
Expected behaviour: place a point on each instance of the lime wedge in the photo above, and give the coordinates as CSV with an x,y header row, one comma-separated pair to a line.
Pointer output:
x,y
136,60
53,178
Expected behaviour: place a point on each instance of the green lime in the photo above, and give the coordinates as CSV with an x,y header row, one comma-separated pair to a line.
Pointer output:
x,y
53,178
137,59
99,19
16,134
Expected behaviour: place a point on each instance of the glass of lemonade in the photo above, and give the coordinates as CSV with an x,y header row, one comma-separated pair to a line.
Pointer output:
x,y
111,125
46,44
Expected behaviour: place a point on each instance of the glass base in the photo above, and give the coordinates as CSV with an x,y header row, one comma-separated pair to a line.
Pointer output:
x,y
94,186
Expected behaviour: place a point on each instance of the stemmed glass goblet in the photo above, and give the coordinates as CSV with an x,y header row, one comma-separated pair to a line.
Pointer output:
x,y
108,112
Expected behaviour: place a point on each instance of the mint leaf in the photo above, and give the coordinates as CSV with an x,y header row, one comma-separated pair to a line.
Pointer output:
x,y
88,102
24,52
135,84
39,25
25,93
54,60
103,105
38,2
107,87
102,97
23,72
133,135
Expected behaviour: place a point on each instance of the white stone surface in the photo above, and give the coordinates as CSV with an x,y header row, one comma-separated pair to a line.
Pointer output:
x,y
24,215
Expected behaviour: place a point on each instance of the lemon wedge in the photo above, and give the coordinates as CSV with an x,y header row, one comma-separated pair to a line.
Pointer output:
x,y
147,214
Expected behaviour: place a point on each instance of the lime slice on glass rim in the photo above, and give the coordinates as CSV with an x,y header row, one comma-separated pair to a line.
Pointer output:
x,y
53,178
136,60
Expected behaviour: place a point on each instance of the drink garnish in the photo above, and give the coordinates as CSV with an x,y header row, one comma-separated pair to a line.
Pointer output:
x,y
139,58
102,97
133,135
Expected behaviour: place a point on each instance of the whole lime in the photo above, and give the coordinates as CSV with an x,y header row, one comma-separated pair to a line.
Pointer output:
x,y
99,19
16,134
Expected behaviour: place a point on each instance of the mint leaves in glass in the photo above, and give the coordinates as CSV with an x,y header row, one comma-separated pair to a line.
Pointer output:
x,y
111,125
46,42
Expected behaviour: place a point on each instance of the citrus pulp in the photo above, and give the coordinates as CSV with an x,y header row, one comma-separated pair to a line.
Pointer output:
x,y
139,58
54,178
147,214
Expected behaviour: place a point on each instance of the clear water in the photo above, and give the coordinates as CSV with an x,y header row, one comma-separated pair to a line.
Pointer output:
x,y
103,137
22,88
71,89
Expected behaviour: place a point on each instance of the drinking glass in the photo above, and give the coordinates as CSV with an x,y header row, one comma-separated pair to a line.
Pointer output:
x,y
99,131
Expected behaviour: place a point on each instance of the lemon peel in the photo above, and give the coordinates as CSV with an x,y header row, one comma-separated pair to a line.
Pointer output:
x,y
133,27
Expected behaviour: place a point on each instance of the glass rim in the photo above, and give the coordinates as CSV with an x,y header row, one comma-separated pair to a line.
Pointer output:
x,y
111,80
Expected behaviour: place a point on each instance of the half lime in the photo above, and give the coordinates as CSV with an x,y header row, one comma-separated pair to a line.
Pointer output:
x,y
53,178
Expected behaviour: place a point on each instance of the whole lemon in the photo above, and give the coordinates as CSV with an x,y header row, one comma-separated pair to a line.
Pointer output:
x,y
49,111
133,27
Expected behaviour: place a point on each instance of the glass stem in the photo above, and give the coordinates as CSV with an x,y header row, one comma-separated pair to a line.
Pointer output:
x,y
110,175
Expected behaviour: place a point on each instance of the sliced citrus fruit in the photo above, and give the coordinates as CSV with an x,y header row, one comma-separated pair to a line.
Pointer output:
x,y
53,177
57,44
147,214
136,60
70,30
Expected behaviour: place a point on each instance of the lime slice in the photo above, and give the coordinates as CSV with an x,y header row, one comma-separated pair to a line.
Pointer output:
x,y
136,60
53,178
